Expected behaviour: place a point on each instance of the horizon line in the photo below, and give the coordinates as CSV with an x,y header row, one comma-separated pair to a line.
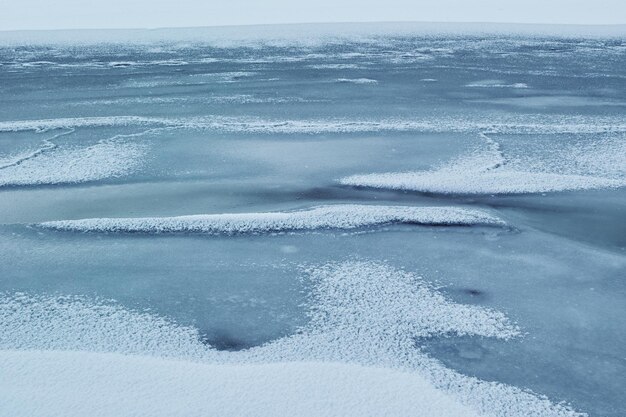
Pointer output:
x,y
384,22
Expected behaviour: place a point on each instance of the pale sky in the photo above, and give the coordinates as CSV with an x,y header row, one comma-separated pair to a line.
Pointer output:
x,y
76,14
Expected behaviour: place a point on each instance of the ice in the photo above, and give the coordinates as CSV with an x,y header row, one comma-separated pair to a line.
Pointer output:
x,y
74,122
546,102
456,227
490,171
309,35
324,217
361,312
531,124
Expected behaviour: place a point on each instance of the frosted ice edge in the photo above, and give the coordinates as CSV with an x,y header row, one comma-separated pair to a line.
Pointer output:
x,y
528,124
489,182
341,216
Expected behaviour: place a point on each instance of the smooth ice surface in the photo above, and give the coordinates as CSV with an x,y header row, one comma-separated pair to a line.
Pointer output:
x,y
309,178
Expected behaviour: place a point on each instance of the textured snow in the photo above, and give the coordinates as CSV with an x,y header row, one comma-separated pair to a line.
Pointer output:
x,y
341,216
17,159
230,99
527,124
489,171
496,84
43,125
489,182
357,80
361,313
104,384
103,160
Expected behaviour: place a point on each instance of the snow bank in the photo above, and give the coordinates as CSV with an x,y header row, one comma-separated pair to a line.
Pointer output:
x,y
103,384
341,216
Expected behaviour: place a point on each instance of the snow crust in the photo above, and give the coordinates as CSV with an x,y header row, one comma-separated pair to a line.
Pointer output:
x,y
341,216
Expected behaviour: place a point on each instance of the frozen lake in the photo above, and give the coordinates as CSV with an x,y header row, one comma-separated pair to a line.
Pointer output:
x,y
448,206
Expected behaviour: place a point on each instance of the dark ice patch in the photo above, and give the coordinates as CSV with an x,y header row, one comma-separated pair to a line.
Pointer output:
x,y
225,340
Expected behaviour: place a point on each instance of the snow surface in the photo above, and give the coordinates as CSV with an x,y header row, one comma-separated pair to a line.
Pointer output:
x,y
341,216
82,384
490,171
52,165
357,80
490,182
510,124
361,313
495,84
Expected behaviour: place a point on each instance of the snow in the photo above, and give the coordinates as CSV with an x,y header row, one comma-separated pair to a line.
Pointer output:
x,y
200,322
510,124
362,314
496,84
489,182
103,160
103,384
43,125
490,171
357,80
341,216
